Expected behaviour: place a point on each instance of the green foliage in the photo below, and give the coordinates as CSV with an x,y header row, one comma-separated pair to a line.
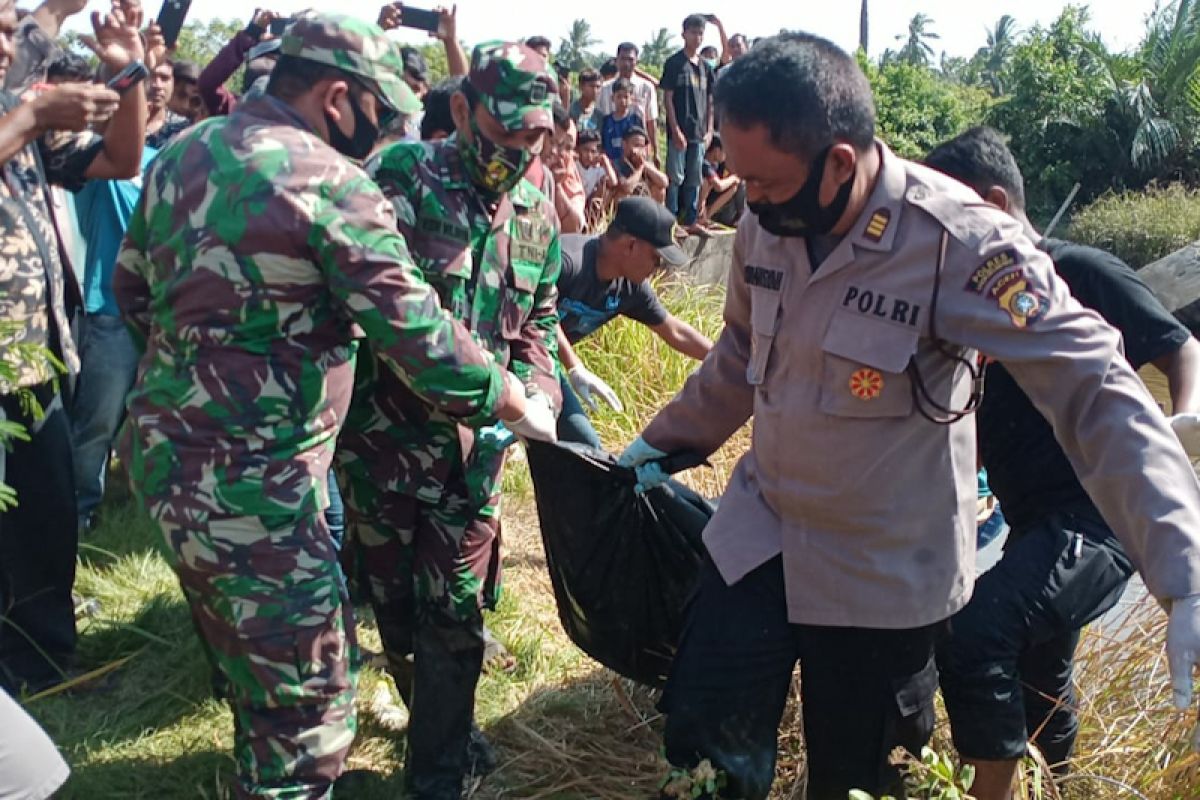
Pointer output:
x,y
1054,115
14,356
657,50
917,109
574,49
930,777
916,49
1140,227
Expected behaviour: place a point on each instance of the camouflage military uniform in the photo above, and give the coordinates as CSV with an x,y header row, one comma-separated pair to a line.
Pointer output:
x,y
422,488
254,255
38,538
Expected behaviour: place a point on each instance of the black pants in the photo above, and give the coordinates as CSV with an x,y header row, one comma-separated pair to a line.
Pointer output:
x,y
865,691
1007,662
38,541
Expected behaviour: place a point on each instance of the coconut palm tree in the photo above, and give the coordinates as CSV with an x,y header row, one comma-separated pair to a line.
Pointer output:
x,y
656,51
1160,106
916,49
996,54
573,50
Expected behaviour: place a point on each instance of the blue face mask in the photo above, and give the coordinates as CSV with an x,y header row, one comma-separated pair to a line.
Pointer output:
x,y
712,62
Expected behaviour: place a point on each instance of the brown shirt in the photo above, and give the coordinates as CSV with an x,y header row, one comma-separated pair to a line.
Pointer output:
x,y
870,504
31,269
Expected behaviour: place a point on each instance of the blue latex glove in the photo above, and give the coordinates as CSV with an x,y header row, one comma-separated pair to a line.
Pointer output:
x,y
637,455
495,437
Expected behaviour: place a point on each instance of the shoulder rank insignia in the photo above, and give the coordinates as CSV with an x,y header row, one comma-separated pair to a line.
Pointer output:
x,y
878,225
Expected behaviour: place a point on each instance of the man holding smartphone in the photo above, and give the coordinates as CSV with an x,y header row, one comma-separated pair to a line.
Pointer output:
x,y
44,141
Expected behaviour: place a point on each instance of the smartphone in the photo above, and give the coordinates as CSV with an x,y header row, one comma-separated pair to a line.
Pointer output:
x,y
419,18
279,25
171,19
128,78
563,70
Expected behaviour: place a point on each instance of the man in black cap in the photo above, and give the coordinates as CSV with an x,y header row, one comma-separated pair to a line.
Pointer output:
x,y
608,275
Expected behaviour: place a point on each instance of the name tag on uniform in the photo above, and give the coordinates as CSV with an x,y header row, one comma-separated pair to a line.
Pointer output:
x,y
444,229
764,278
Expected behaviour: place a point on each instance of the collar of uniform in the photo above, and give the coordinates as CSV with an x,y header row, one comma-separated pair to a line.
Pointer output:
x,y
274,110
877,224
450,168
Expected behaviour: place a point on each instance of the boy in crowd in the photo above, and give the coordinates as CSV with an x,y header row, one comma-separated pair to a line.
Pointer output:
x,y
637,173
623,117
569,195
584,110
599,176
643,90
723,195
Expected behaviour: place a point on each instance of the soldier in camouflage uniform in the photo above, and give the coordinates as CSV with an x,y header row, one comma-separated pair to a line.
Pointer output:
x,y
254,257
423,488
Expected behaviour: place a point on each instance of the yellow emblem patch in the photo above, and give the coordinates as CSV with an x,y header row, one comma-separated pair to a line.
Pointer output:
x,y
1022,304
866,384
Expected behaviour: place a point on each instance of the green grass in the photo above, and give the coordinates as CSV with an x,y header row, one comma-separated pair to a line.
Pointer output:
x,y
1140,227
564,727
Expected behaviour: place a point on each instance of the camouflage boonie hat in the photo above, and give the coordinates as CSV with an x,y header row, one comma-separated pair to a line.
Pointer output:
x,y
358,47
514,84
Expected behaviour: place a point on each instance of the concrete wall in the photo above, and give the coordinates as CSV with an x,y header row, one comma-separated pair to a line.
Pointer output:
x,y
711,257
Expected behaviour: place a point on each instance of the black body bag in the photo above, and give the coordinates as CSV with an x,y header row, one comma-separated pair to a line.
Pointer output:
x,y
623,565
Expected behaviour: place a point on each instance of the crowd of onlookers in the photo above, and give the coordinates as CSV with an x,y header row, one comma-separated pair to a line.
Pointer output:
x,y
606,144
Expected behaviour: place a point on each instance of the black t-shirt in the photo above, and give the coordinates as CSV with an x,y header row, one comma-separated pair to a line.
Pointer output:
x,y
692,87
1027,470
585,302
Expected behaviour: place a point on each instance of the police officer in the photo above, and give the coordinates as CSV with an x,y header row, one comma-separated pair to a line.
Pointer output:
x,y
422,485
1006,665
256,254
862,288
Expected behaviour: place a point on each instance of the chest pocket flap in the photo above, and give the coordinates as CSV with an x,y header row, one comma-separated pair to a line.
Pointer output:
x,y
863,371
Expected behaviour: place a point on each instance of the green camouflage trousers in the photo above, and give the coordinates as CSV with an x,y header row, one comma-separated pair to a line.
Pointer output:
x,y
422,559
268,600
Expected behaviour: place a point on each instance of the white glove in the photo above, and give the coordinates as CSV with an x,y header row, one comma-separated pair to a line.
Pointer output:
x,y
1187,428
585,383
649,475
1183,647
538,421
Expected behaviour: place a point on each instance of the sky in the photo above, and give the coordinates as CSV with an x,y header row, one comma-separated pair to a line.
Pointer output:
x,y
961,24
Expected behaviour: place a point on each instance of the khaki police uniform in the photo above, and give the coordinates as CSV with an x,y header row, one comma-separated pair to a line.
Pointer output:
x,y
866,506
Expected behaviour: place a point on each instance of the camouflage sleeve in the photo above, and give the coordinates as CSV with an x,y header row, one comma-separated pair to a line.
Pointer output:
x,y
370,271
130,286
535,353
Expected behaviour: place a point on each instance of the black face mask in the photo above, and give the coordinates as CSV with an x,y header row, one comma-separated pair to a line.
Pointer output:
x,y
802,214
365,135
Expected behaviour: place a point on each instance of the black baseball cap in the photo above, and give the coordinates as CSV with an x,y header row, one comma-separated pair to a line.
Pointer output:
x,y
635,130
414,64
643,218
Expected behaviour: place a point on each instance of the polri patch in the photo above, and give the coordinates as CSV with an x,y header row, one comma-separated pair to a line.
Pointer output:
x,y
1022,304
878,225
983,275
764,278
866,384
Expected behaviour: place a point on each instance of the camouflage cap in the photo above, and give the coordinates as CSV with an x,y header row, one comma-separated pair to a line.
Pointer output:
x,y
514,84
358,47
